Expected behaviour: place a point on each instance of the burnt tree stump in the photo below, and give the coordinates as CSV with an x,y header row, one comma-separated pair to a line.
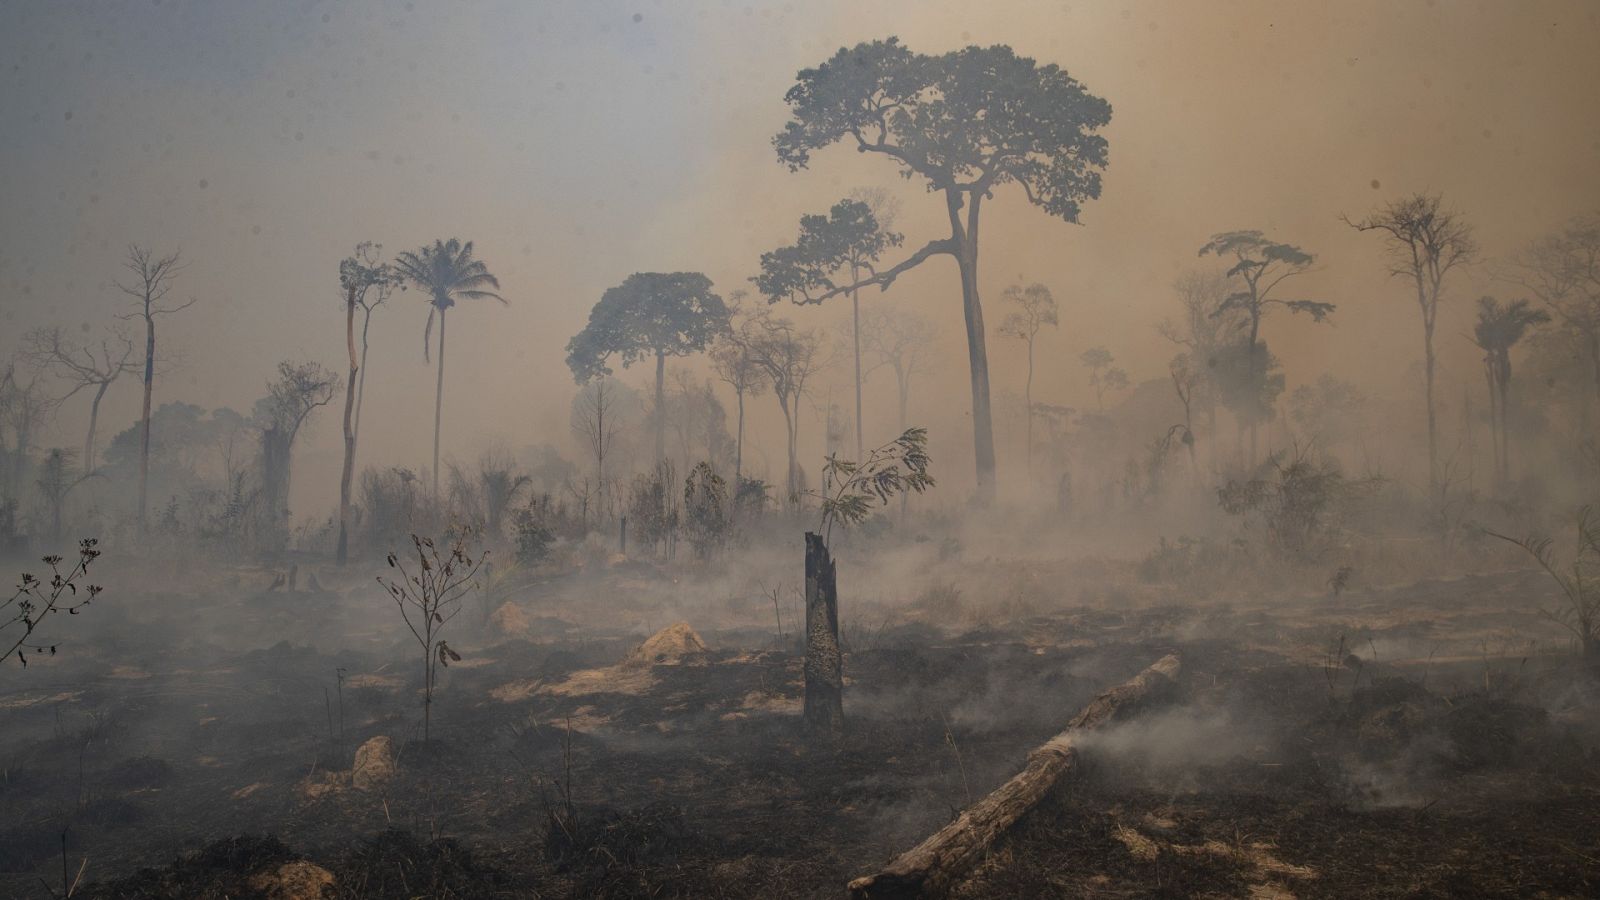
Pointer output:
x,y
824,665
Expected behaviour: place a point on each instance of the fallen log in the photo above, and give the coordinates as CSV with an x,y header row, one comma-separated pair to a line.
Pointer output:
x,y
937,864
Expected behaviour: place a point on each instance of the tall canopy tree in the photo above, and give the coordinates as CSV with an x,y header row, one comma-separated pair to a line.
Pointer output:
x,y
1499,328
1261,264
367,282
148,288
1206,332
650,314
1035,310
1425,242
839,247
965,122
446,272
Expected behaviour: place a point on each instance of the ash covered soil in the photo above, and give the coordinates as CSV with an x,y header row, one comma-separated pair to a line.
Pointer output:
x,y
1431,739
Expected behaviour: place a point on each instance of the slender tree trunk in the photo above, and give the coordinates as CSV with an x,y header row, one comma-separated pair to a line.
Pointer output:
x,y
1027,403
1505,417
361,391
903,383
600,443
438,409
824,663
144,431
347,474
1433,425
738,450
661,407
1211,429
855,330
94,420
427,691
792,480
1494,418
977,349
1257,379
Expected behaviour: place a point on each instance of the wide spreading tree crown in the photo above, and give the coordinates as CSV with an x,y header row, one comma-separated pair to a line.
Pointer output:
x,y
968,120
648,314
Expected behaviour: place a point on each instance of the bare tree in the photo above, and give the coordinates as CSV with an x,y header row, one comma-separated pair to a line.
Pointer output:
x,y
149,286
1036,309
737,367
367,282
790,356
1425,243
902,340
595,422
84,366
429,596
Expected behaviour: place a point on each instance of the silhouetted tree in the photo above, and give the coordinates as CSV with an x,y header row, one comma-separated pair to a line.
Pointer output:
x,y
1498,329
24,407
1103,376
650,314
1035,309
298,391
967,122
1425,242
838,247
1563,271
1261,265
446,272
790,356
149,287
367,282
901,339
1205,330
83,366
734,364
596,419
58,476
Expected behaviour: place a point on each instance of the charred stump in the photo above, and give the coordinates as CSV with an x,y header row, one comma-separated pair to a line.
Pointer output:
x,y
937,864
824,667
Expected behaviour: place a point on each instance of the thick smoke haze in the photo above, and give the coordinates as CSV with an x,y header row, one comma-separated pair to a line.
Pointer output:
x,y
575,143
1273,577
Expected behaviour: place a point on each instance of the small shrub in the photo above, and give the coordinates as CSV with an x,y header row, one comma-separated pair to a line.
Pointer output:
x,y
705,510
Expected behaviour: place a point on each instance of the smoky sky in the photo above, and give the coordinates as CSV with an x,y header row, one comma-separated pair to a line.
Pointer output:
x,y
579,142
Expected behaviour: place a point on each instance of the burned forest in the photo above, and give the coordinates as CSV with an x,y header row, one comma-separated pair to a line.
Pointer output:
x,y
493,449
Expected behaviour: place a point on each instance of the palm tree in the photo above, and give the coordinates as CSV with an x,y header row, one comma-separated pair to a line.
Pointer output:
x,y
446,271
1498,329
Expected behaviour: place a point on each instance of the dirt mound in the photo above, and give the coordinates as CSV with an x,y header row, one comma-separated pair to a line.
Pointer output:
x,y
510,620
298,880
673,645
374,764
